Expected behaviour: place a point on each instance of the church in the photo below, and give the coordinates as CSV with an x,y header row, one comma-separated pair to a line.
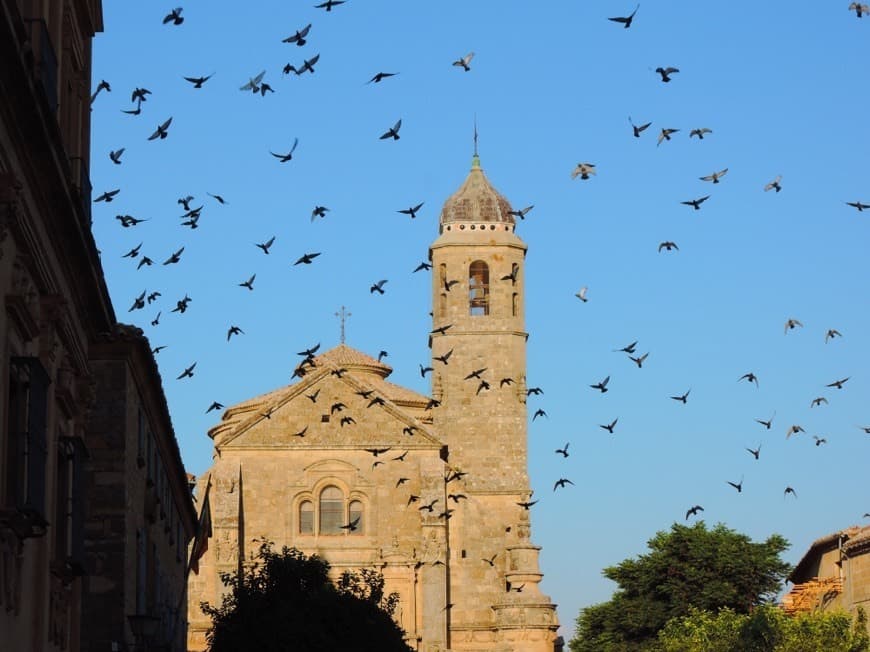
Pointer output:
x,y
433,491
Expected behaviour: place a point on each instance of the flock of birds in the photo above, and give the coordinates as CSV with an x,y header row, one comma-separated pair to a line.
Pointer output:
x,y
191,212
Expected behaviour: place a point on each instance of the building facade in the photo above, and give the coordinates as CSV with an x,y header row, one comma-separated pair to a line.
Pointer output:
x,y
56,312
833,574
431,490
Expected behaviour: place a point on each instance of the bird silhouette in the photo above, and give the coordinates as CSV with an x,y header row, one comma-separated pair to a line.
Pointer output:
x,y
491,560
187,373
306,259
626,21
609,426
561,482
412,211
627,349
767,423
774,185
668,245
346,421
115,156
138,302
793,430
693,511
463,62
319,211
174,258
755,452
378,287
855,204
156,320
301,433
265,246
539,413
162,130
379,77
103,85
789,490
144,261
831,334
683,397
638,129
749,377
400,458
601,386
174,17
522,212
639,360
377,451
234,330
526,504
564,450
214,406
443,358
700,132
424,266
429,507
838,383
253,84
249,283
283,158
299,37
329,4
737,485
198,81
859,9
392,132
107,196
791,324
666,73
581,294
818,401
352,526
133,252
819,440
665,134
715,176
307,66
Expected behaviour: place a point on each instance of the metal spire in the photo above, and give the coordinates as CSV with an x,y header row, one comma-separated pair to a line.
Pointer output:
x,y
475,135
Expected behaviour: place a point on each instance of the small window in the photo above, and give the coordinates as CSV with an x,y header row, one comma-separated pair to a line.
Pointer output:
x,y
306,517
324,418
442,274
356,512
331,511
442,306
478,288
515,307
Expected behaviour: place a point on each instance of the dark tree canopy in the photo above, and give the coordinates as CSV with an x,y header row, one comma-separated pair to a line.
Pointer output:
x,y
285,602
685,568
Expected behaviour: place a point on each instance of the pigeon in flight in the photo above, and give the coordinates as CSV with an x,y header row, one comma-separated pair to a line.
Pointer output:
x,y
412,211
666,73
696,203
715,176
393,132
329,4
464,61
108,196
174,17
378,78
583,170
116,156
638,129
253,84
198,81
774,185
626,20
299,37
161,131
700,132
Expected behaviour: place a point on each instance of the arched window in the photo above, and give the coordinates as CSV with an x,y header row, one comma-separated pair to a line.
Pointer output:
x,y
306,517
331,511
478,288
356,512
442,306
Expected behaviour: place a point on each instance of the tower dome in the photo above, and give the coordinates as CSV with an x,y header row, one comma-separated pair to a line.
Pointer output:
x,y
476,201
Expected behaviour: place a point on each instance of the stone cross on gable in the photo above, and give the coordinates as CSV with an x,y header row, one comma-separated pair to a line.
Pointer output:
x,y
342,315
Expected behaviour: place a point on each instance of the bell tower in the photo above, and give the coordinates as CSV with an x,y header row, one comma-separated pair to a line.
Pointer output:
x,y
479,338
478,343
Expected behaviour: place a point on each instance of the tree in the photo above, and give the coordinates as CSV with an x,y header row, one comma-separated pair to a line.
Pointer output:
x,y
766,629
686,567
285,602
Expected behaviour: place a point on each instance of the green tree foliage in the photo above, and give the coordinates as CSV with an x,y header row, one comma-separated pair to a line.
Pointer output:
x,y
285,602
766,629
685,568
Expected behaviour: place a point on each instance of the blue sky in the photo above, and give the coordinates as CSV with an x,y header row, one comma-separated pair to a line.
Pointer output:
x,y
550,85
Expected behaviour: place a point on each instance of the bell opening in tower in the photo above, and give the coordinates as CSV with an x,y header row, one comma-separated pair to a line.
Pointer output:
x,y
478,288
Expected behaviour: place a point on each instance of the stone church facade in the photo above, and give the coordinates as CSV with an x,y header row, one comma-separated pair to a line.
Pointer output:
x,y
434,484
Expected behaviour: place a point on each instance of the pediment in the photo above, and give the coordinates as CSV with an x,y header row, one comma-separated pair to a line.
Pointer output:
x,y
324,411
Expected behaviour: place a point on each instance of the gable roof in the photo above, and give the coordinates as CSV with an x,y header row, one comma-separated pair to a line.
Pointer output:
x,y
354,368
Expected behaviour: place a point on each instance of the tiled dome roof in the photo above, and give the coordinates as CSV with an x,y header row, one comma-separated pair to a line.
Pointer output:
x,y
353,360
476,201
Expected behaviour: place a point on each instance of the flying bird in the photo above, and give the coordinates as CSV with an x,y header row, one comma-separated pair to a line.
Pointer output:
x,y
793,430
307,66
102,86
819,440
774,185
715,176
665,135
791,324
601,386
307,258
838,383
174,258
583,170
539,413
174,17
859,9
755,452
444,358
789,490
425,370
379,77
818,401
581,294
138,302
234,330
537,391
299,37
561,482
700,132
666,73
412,211
187,373
161,131
683,398
626,21
737,485
378,287
693,511
220,200
627,349
116,156
832,333
128,220
491,560
198,81
638,129
145,261
329,4
214,406
392,132
522,212
767,423
265,246
108,196
750,378
639,360
668,245
133,252
464,61
526,504
696,203
354,524
563,451
319,211
422,266
855,204
283,158
153,297
253,84
609,426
